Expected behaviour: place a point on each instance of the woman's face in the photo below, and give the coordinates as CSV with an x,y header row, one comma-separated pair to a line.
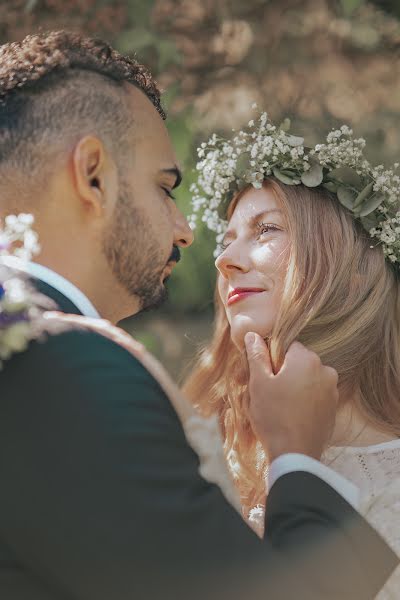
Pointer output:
x,y
252,266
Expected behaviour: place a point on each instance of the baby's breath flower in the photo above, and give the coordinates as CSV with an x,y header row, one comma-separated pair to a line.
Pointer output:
x,y
263,150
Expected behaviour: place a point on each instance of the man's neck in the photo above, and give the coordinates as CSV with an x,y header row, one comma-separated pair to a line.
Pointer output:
x,y
97,283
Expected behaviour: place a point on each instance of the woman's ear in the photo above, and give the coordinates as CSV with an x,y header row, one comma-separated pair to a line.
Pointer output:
x,y
89,174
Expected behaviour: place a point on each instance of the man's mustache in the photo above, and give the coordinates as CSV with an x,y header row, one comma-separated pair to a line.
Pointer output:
x,y
175,255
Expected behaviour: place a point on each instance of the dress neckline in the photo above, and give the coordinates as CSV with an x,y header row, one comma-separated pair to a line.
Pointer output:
x,y
390,445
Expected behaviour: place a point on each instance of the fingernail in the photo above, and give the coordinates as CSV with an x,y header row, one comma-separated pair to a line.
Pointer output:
x,y
249,339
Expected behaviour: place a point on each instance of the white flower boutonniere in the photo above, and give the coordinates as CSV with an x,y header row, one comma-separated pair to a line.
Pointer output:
x,y
21,307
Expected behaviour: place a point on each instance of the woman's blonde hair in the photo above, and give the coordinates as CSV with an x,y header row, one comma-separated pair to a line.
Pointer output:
x,y
340,299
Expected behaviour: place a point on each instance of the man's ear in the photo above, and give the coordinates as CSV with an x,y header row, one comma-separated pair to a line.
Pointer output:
x,y
89,165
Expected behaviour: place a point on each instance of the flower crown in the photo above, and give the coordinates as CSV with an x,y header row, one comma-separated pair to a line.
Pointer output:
x,y
371,194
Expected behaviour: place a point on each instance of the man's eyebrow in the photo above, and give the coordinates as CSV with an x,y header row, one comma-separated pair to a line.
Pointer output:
x,y
178,175
255,219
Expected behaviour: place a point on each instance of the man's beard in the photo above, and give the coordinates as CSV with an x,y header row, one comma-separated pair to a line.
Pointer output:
x,y
132,251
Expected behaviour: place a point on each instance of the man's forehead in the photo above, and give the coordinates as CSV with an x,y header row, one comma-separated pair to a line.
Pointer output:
x,y
143,110
149,127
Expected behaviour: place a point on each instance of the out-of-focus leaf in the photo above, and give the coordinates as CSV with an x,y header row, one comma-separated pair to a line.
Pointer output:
x,y
140,11
30,5
284,178
364,194
371,204
331,186
349,6
168,54
347,176
135,40
314,176
170,95
369,222
182,137
346,197
285,125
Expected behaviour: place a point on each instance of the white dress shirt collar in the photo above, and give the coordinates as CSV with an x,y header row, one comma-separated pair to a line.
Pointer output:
x,y
56,281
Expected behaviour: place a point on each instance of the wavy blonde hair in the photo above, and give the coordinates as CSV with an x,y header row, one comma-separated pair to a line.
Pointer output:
x,y
341,299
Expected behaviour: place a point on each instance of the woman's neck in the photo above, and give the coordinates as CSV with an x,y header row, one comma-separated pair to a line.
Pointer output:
x,y
352,428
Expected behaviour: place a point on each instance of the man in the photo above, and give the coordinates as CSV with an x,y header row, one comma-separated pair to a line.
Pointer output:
x,y
100,493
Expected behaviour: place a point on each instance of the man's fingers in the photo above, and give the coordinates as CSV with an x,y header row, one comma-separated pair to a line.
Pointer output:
x,y
257,354
298,356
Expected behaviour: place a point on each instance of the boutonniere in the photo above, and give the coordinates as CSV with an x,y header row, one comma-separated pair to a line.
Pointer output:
x,y
21,307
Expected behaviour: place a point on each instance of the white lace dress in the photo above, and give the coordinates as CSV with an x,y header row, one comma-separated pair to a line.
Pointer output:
x,y
376,472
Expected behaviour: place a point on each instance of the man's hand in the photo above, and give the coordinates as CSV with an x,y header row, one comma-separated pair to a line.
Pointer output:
x,y
293,410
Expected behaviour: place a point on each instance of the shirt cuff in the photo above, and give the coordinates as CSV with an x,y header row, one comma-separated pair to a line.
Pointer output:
x,y
287,463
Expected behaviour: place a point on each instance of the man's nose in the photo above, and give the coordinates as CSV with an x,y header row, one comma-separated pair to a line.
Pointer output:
x,y
183,235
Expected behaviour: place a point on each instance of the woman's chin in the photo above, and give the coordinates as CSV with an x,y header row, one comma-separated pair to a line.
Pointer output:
x,y
239,330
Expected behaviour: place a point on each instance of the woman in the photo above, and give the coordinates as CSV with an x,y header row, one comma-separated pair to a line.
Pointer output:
x,y
299,262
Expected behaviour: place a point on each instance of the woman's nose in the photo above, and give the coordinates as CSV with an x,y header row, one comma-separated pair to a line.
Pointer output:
x,y
230,262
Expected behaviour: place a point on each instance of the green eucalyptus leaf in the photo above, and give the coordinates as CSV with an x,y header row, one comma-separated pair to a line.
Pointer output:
x,y
285,125
347,176
371,204
346,197
369,222
314,176
242,164
289,173
294,140
364,194
285,178
331,186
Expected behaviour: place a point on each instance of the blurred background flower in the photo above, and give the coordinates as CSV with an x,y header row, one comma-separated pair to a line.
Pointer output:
x,y
320,62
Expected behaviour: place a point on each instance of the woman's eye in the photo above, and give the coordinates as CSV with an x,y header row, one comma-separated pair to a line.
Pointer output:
x,y
266,228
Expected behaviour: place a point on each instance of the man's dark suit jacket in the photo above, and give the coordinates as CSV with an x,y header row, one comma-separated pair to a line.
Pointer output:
x,y
101,499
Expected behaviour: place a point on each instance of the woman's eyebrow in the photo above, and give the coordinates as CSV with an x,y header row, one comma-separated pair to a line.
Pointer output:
x,y
254,220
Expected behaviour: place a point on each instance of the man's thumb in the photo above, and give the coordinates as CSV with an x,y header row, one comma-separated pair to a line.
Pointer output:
x,y
257,353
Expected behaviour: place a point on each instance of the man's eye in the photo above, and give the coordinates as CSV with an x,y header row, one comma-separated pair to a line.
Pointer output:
x,y
168,193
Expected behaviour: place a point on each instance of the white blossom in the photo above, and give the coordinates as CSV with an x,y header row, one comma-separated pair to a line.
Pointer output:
x,y
268,147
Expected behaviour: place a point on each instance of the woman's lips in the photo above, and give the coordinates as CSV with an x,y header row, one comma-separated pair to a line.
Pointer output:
x,y
241,293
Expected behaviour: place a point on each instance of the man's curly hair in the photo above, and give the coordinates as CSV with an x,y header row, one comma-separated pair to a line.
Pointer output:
x,y
58,86
24,64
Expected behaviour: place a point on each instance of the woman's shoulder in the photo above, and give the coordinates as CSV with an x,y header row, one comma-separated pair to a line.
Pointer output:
x,y
372,468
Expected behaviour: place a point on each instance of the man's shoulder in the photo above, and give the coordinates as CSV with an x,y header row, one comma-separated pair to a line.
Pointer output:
x,y
72,352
